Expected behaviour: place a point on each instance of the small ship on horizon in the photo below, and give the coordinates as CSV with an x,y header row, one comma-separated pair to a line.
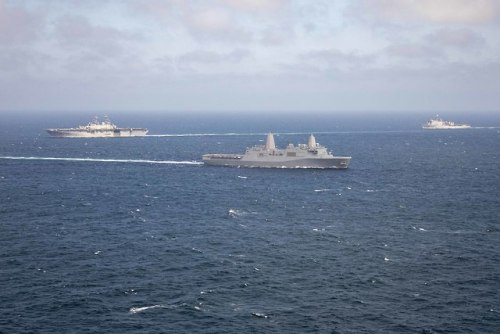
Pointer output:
x,y
310,155
438,123
97,129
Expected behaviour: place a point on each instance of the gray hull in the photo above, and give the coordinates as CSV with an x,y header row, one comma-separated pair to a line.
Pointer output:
x,y
237,161
78,133
310,155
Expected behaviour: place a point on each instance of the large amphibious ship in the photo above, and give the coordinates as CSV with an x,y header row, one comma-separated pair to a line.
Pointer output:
x,y
310,155
98,129
438,123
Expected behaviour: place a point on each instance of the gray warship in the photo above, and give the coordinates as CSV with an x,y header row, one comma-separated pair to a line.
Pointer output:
x,y
96,129
437,123
310,155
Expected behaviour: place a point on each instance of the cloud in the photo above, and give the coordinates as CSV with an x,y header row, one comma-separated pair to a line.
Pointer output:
x,y
133,52
413,51
276,35
442,11
17,24
22,61
224,21
158,9
207,57
212,63
216,24
78,33
256,6
456,38
211,20
337,59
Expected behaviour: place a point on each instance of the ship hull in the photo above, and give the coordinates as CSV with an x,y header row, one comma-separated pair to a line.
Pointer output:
x,y
77,133
228,160
446,127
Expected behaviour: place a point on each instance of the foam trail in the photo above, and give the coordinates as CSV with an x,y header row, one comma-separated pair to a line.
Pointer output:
x,y
275,133
237,134
141,161
206,134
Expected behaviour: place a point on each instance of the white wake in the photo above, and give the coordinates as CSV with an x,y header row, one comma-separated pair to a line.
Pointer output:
x,y
140,161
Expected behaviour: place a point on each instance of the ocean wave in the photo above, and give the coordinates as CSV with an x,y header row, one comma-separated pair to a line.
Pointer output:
x,y
144,161
134,310
236,213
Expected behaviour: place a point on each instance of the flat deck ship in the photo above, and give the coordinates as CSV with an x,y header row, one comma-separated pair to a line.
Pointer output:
x,y
97,129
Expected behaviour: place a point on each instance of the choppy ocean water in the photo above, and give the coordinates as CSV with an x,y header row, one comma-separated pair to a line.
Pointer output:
x,y
135,235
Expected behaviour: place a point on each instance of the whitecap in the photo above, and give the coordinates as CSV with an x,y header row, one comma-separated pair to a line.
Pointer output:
x,y
242,177
205,292
386,259
134,310
321,190
422,229
259,315
235,213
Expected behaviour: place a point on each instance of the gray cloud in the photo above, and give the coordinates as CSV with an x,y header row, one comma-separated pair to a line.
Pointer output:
x,y
221,21
275,35
413,51
25,62
337,59
456,38
78,33
269,53
208,57
256,6
442,11
17,24
216,24
212,63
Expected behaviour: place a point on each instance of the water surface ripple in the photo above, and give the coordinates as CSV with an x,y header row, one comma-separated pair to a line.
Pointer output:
x,y
405,241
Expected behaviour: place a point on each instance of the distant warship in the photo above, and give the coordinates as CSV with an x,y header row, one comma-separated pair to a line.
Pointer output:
x,y
438,123
97,129
312,155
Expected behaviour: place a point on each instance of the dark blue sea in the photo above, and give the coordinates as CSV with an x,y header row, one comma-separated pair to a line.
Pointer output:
x,y
135,235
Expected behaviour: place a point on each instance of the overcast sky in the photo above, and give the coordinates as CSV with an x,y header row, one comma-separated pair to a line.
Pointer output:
x,y
246,55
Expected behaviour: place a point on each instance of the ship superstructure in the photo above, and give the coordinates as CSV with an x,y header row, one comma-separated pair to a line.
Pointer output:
x,y
438,123
310,155
96,129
